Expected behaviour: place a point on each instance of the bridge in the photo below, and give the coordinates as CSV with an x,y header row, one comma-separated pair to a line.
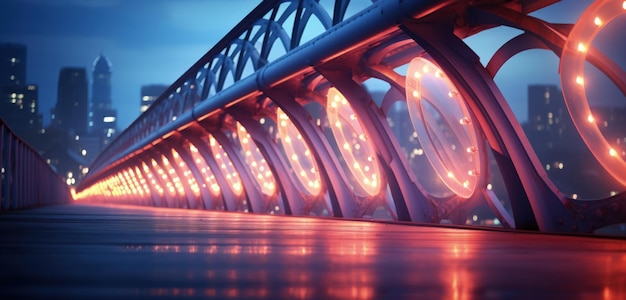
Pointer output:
x,y
282,117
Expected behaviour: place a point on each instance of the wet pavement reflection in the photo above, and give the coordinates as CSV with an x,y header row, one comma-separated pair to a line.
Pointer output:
x,y
84,251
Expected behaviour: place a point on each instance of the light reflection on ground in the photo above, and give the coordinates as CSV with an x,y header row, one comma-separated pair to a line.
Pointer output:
x,y
82,251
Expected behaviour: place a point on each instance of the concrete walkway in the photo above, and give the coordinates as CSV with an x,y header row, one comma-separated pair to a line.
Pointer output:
x,y
113,252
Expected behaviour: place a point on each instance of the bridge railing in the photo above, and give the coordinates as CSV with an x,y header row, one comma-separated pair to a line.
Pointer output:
x,y
301,132
252,40
26,180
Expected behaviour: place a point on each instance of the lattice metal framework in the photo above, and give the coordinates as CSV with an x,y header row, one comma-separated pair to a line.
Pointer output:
x,y
276,120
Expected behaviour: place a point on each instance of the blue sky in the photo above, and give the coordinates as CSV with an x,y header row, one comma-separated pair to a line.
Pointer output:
x,y
147,41
156,41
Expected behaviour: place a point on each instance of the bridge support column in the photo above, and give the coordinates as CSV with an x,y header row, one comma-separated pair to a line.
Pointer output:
x,y
532,199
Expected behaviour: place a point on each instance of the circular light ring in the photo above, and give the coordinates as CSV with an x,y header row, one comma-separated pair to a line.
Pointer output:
x,y
226,167
299,155
207,175
572,64
142,181
444,126
353,144
188,177
174,184
258,166
151,177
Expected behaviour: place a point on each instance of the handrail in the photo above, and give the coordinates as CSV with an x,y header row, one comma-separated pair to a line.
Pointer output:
x,y
26,180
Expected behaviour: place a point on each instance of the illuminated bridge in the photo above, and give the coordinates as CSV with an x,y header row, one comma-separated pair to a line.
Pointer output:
x,y
390,115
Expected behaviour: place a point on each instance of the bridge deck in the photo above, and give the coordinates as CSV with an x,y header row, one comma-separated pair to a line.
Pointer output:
x,y
79,251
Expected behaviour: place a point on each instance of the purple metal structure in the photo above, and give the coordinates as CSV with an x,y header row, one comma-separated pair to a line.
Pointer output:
x,y
274,120
26,180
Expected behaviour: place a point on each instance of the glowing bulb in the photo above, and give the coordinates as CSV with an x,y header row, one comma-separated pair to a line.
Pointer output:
x,y
624,5
580,80
590,118
582,47
612,152
597,21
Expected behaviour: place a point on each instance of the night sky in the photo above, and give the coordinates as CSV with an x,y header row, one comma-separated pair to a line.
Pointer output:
x,y
156,41
146,41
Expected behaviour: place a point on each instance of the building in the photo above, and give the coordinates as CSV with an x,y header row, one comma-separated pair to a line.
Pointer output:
x,y
612,123
102,116
548,118
70,112
12,64
19,103
19,107
566,159
149,94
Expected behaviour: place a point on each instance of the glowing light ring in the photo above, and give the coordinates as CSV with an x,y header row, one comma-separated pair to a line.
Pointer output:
x,y
190,180
444,126
572,64
209,178
151,177
142,181
226,167
258,166
353,144
299,155
174,184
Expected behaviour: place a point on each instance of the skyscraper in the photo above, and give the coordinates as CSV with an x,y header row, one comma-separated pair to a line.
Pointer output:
x,y
19,107
149,94
558,145
102,116
19,104
70,112
12,64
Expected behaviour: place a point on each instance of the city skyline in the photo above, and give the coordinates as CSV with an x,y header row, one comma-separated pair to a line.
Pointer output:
x,y
148,43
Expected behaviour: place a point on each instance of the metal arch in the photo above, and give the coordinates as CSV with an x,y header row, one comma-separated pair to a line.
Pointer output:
x,y
223,67
247,53
270,31
304,10
548,36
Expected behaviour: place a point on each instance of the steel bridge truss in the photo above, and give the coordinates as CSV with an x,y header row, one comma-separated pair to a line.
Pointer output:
x,y
276,120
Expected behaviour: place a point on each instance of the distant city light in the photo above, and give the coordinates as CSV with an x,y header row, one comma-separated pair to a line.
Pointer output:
x,y
108,119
